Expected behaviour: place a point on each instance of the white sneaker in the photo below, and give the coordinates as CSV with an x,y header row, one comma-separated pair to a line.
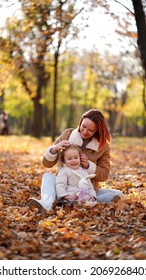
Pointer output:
x,y
42,204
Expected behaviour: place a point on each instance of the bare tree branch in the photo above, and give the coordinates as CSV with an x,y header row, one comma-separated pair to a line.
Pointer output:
x,y
124,7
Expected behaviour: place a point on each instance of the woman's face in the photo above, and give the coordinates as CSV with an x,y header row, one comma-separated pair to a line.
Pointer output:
x,y
87,128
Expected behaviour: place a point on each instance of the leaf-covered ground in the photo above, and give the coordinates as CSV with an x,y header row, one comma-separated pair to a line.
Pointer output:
x,y
107,231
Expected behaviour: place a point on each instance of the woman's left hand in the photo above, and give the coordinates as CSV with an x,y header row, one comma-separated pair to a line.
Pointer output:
x,y
84,161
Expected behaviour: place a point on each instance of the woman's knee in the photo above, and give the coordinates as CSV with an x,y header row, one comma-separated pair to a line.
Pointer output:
x,y
117,192
48,176
108,195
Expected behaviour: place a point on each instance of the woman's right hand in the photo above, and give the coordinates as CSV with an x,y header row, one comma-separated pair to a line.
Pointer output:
x,y
60,146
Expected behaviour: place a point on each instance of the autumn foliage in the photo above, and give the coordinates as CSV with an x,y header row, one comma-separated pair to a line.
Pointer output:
x,y
107,231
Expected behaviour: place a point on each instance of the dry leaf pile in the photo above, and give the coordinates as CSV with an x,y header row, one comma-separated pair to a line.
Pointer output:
x,y
107,231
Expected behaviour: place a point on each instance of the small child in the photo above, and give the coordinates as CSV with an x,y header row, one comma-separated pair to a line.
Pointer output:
x,y
67,181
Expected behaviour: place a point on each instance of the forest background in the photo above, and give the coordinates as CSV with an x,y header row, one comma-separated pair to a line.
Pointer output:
x,y
59,58
51,72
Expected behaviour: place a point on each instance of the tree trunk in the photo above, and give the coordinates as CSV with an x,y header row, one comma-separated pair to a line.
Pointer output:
x,y
2,101
37,118
140,19
112,120
55,94
71,108
141,29
144,107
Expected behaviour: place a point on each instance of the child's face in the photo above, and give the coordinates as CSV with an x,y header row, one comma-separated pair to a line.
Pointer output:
x,y
72,158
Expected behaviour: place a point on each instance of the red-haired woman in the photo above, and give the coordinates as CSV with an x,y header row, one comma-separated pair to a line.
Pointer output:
x,y
93,138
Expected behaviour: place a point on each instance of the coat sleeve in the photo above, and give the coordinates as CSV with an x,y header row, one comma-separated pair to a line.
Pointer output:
x,y
50,160
61,184
103,166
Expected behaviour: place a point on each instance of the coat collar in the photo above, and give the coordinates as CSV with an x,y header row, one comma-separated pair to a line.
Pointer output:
x,y
76,139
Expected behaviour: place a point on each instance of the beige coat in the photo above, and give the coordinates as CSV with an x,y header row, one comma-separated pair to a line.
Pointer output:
x,y
99,160
67,182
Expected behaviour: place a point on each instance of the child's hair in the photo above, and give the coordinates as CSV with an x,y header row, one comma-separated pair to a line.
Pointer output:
x,y
62,152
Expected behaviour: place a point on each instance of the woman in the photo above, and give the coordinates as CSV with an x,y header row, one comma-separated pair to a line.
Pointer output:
x,y
93,138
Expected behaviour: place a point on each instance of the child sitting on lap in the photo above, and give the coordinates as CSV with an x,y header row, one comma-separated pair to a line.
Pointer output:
x,y
71,184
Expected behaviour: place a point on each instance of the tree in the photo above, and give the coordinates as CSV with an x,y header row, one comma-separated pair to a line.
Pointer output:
x,y
29,41
140,20
64,19
4,77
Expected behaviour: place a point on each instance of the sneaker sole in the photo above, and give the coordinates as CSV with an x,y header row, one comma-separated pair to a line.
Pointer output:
x,y
34,203
66,202
116,198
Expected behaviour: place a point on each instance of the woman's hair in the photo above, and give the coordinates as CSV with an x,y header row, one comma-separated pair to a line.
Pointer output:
x,y
62,153
102,134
